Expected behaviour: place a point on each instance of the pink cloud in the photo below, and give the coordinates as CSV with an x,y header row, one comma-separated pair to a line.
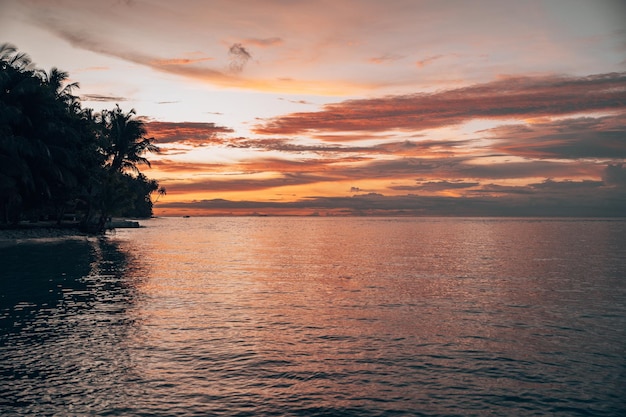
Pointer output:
x,y
516,97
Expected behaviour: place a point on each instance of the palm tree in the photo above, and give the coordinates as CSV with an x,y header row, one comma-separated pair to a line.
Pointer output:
x,y
161,191
23,151
126,140
56,155
123,142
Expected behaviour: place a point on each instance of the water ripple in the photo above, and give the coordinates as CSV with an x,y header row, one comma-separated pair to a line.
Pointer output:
x,y
318,317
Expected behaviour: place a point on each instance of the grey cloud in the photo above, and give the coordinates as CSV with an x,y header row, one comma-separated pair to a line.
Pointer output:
x,y
433,186
84,39
102,98
531,203
585,137
239,57
615,175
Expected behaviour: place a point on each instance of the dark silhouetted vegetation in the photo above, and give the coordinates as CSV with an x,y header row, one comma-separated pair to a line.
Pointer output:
x,y
59,160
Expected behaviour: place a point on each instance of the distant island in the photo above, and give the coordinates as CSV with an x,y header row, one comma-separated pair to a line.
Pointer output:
x,y
61,162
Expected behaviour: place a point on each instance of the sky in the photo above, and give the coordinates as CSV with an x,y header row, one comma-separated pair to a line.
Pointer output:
x,y
355,107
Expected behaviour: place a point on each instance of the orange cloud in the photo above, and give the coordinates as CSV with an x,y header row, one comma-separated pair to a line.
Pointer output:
x,y
548,198
427,61
521,97
385,58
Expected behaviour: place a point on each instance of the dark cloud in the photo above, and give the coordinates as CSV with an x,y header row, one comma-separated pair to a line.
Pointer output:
x,y
435,186
566,187
499,190
102,98
615,175
586,137
282,145
349,137
536,200
296,101
423,147
188,133
467,167
526,169
239,57
402,148
521,97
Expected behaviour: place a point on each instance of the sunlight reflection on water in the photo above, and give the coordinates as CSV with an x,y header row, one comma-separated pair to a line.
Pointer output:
x,y
300,316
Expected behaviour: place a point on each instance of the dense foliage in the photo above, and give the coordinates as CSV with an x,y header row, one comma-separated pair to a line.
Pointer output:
x,y
59,160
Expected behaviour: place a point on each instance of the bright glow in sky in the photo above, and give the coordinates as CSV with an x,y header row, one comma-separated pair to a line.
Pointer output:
x,y
356,107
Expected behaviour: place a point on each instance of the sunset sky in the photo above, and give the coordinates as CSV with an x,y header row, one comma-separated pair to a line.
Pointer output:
x,y
397,107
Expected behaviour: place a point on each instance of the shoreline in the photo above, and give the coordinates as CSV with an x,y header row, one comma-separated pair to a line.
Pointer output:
x,y
49,231
38,232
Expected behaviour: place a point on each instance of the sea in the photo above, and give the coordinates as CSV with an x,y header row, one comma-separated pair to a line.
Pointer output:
x,y
318,316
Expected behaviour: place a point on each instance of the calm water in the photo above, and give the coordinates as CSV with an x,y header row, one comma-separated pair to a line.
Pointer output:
x,y
318,316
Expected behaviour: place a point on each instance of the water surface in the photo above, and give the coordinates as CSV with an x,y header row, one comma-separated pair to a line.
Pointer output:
x,y
319,316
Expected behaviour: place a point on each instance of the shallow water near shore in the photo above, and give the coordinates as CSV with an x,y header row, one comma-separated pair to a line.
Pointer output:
x,y
265,316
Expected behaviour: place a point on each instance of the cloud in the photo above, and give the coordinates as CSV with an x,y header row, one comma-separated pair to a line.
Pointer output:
x,y
383,59
87,40
515,97
296,101
234,183
101,98
324,169
68,23
435,186
566,186
263,42
405,148
284,145
184,167
427,61
585,137
178,61
239,57
188,133
615,175
423,148
525,169
535,200
471,168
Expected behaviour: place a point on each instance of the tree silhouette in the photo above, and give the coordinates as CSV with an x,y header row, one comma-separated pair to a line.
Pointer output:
x,y
56,156
125,140
161,192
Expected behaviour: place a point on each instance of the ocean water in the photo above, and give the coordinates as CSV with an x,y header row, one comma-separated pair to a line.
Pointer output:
x,y
290,316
